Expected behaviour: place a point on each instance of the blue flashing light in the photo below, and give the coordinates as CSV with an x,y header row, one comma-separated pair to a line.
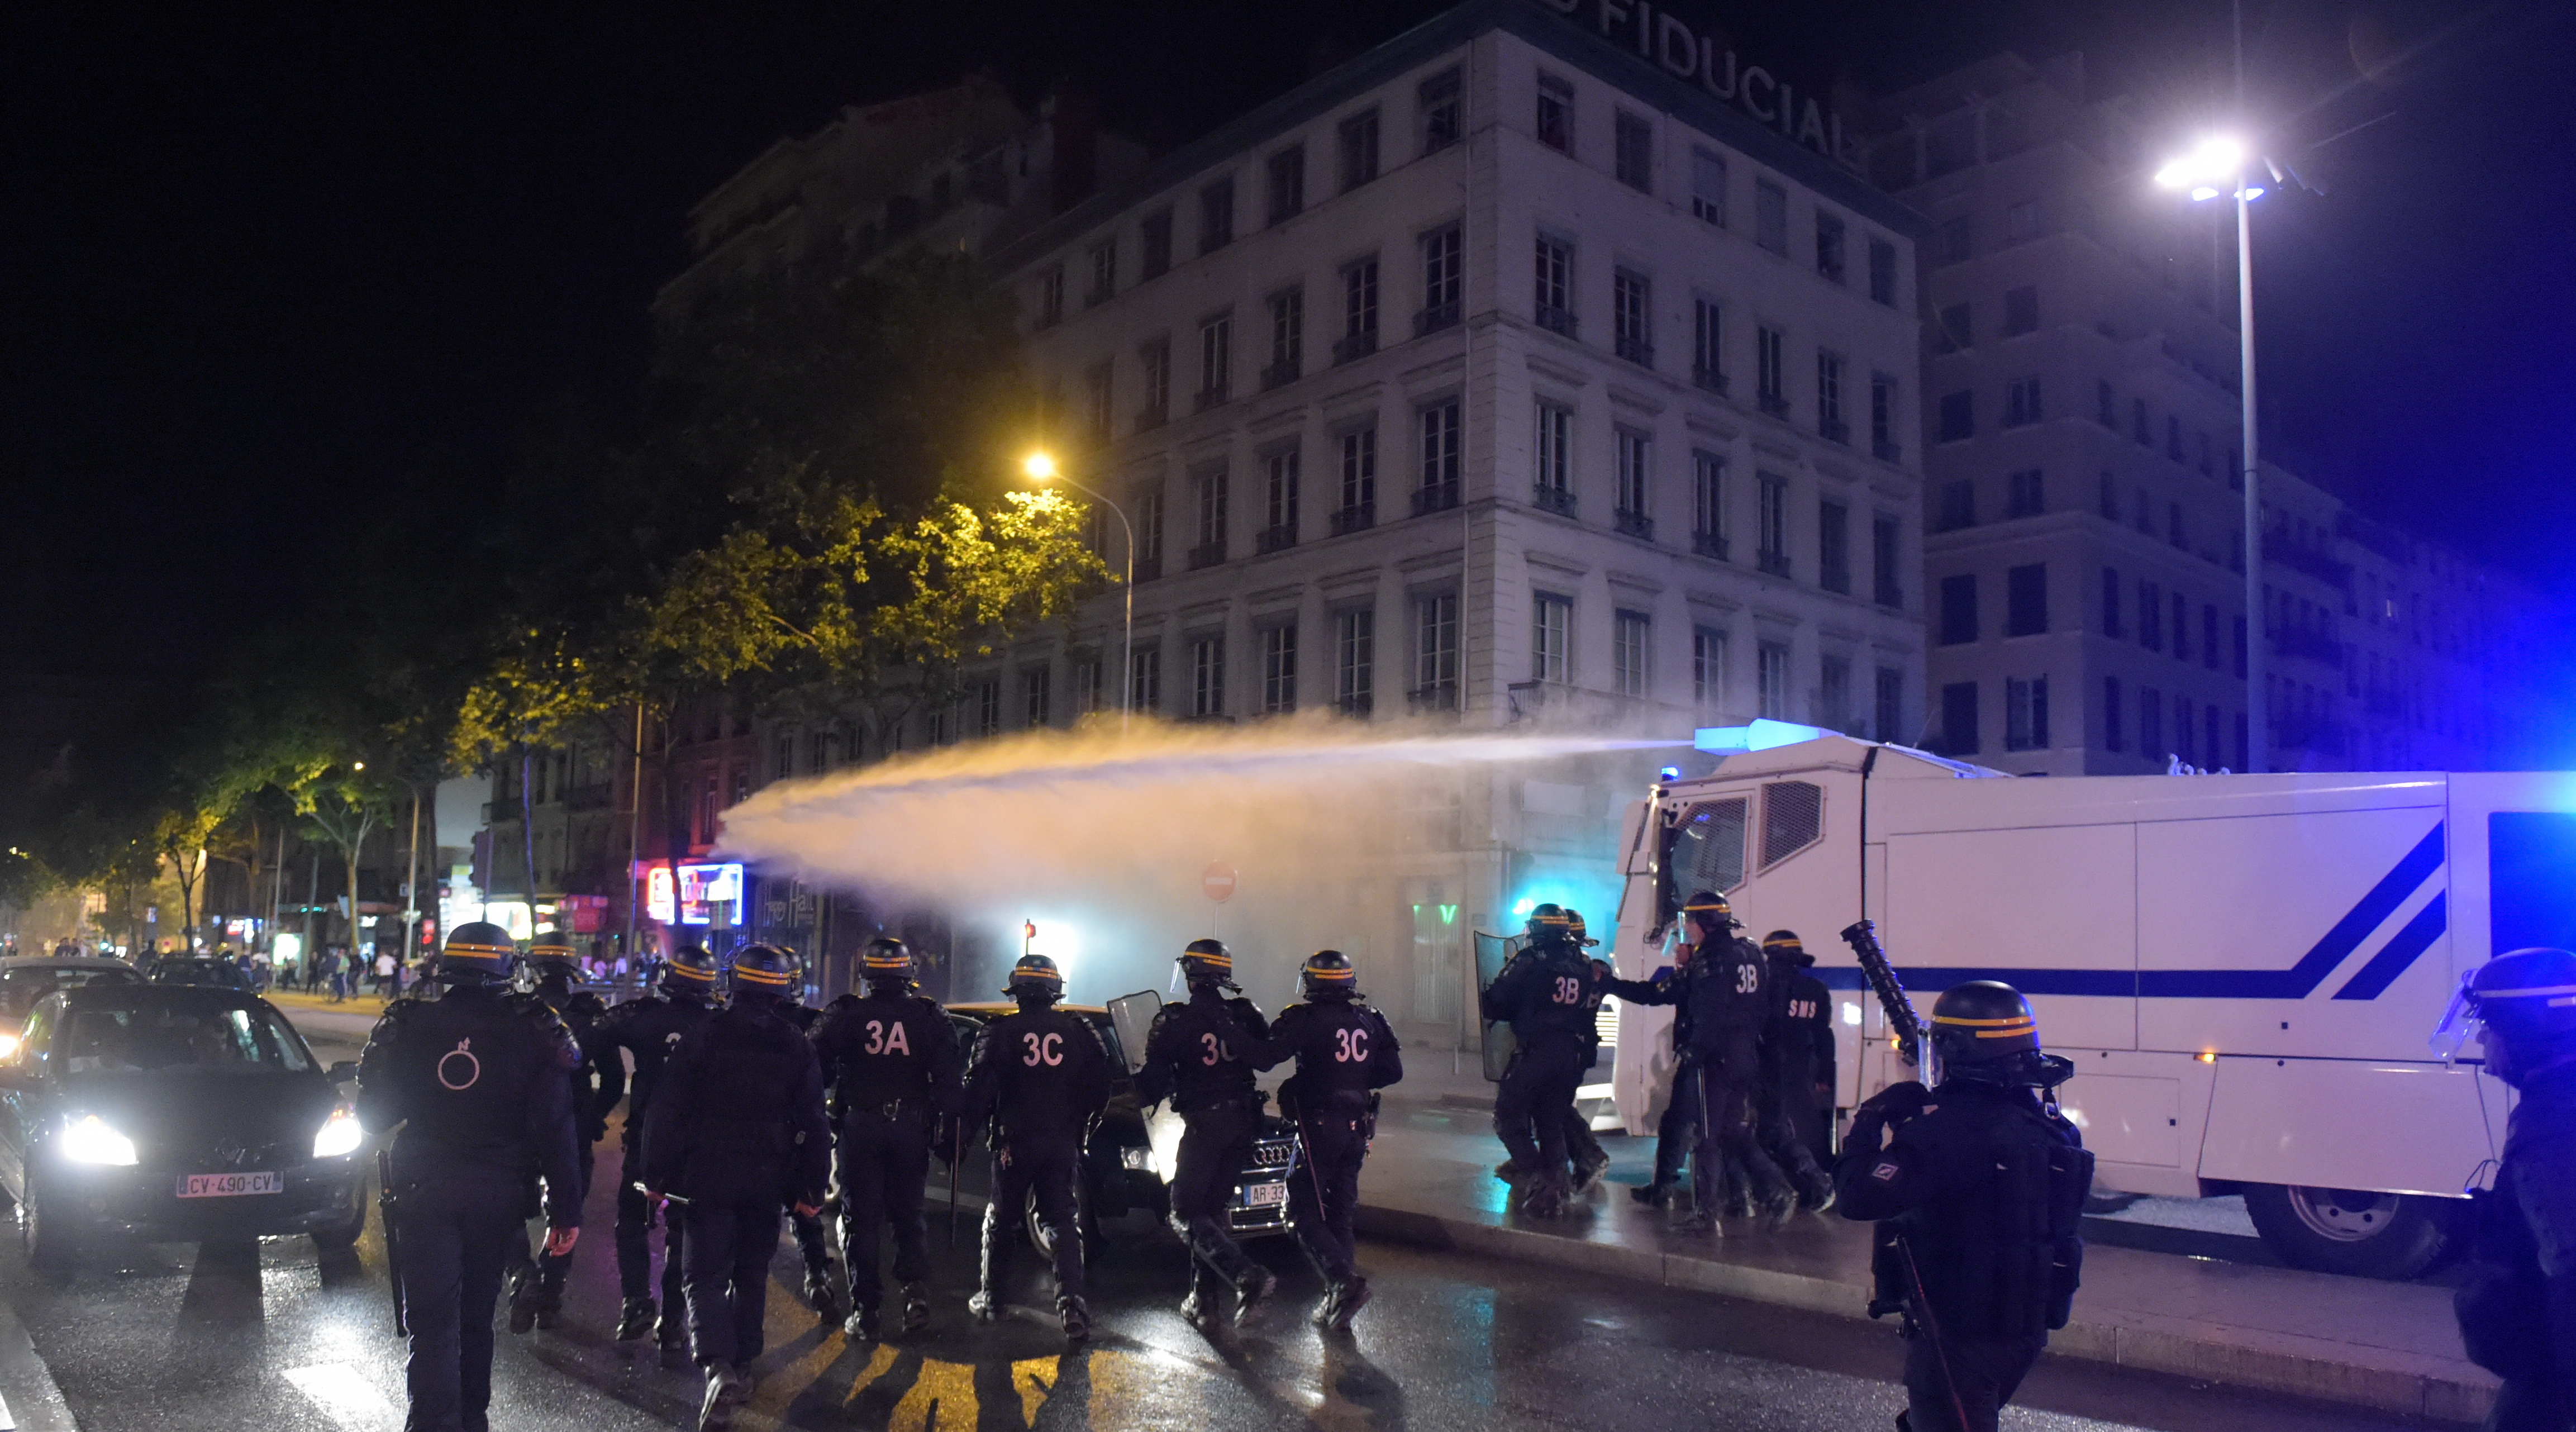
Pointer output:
x,y
1522,907
1762,735
1669,773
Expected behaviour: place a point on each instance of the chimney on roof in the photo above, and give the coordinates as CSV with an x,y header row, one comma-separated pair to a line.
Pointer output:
x,y
1075,162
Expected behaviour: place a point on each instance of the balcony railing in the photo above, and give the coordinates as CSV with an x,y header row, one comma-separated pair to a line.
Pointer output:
x,y
1708,544
1206,554
1708,378
1633,524
1552,499
1833,430
1438,497
1280,374
1634,350
1148,419
1357,518
1209,398
1355,346
1275,539
1435,318
1887,450
1555,319
2298,557
1772,563
1439,696
2299,641
1773,405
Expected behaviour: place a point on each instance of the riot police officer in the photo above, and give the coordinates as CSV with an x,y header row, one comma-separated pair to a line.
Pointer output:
x,y
537,1284
737,1128
1198,1055
1345,1053
2517,1311
1720,994
1040,1076
1677,1130
893,1068
822,1289
1591,1161
647,1030
1797,1070
1981,1185
1544,994
480,1084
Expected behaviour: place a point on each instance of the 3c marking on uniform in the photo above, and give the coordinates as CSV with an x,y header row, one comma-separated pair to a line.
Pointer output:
x,y
1350,1046
1044,1049
1215,1047
471,1068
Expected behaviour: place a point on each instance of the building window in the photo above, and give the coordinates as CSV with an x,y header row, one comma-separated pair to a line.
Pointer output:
x,y
1950,242
2151,616
1708,187
1631,308
2173,438
2209,647
1551,633
1097,414
1882,419
2111,602
1051,296
1554,123
1216,215
1708,504
1886,556
1958,416
1442,270
1437,102
1952,329
1145,683
1287,183
1359,311
1708,344
1833,547
1771,216
2106,409
2173,525
2151,723
2026,600
1832,258
1287,336
1359,479
2022,222
1279,499
2108,498
1958,505
1771,370
1633,157
2138,516
1037,697
783,755
1355,660
1888,719
1959,719
1708,668
1555,296
1157,230
1882,272
1209,486
2138,422
2026,714
2023,494
2182,729
1149,531
1357,144
1771,530
2021,310
1829,398
1155,358
1636,458
1958,609
988,708
2021,403
1771,679
1104,273
1207,676
1086,686
1439,488
1631,641
1216,359
2111,735
1833,692
2181,627
1278,669
1435,651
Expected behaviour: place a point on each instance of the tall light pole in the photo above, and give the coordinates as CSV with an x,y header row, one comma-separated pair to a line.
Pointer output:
x,y
1040,466
2219,161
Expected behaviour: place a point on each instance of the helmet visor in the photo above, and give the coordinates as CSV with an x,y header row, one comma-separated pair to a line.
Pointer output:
x,y
2462,1025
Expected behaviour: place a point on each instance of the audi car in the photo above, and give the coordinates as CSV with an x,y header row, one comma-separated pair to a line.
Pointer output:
x,y
171,1113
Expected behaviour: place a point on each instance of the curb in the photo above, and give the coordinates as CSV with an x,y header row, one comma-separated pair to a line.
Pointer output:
x,y
34,1403
2183,1350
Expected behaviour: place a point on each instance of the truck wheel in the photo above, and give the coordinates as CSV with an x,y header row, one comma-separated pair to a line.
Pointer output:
x,y
2354,1231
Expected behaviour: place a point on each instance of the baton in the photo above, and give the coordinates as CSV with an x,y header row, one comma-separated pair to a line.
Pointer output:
x,y
639,1187
385,1204
956,1166
1932,1329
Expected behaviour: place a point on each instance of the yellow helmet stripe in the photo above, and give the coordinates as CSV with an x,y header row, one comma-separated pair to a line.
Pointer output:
x,y
464,947
2016,1021
745,972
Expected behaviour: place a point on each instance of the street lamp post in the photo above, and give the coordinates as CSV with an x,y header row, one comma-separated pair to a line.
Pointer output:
x,y
1041,468
2216,162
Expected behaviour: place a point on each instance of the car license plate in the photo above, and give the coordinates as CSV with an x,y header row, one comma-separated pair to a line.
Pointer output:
x,y
1265,1195
228,1185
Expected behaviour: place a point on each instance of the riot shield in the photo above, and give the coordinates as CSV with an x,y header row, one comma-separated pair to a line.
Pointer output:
x,y
1132,1015
1492,953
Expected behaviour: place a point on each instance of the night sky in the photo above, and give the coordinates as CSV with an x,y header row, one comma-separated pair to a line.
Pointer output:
x,y
278,279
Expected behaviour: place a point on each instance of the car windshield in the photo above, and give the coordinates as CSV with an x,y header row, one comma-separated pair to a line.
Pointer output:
x,y
23,986
196,972
157,1036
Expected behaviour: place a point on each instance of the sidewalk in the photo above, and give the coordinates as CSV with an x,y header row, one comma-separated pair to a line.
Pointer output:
x,y
2389,1346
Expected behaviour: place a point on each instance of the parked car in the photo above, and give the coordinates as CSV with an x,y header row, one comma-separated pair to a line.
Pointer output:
x,y
1127,1162
198,970
173,1112
25,979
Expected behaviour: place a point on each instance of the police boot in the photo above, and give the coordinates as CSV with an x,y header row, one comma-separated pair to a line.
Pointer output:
x,y
1199,1309
1251,1289
635,1319
861,1324
1076,1318
1348,1299
1658,1194
727,1389
1699,1220
1588,1174
986,1302
916,1307
822,1291
675,1340
1547,1200
525,1293
1509,1169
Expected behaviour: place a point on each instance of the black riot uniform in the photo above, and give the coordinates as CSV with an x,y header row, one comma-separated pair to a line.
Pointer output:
x,y
737,1129
1797,1070
822,1287
1981,1184
647,1030
1345,1053
1199,1055
479,1082
1591,1161
1546,995
2517,1311
1721,993
893,1069
537,1283
1040,1076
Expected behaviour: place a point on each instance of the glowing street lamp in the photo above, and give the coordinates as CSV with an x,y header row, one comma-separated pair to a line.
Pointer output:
x,y
2221,164
1040,466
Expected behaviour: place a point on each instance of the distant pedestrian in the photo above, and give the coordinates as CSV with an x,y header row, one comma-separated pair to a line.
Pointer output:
x,y
384,976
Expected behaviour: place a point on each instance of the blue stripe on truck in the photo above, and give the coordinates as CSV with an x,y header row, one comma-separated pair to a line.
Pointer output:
x,y
2389,963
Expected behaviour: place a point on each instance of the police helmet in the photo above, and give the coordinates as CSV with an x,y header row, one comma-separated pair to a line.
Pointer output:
x,y
1576,931
761,969
1982,1021
476,950
887,960
690,967
1328,974
1707,907
1783,945
2528,996
1208,962
551,956
1548,924
1035,977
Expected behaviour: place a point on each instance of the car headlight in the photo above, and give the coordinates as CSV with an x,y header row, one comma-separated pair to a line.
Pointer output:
x,y
87,1139
340,1135
9,1045
1139,1159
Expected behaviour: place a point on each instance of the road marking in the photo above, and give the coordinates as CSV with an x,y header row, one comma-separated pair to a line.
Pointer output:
x,y
8,1419
341,1391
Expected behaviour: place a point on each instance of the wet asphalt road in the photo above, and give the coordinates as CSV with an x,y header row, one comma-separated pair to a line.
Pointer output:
x,y
146,1339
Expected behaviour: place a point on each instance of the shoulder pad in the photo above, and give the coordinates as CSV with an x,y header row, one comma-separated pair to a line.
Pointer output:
x,y
844,1002
1161,1015
585,1002
391,1020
